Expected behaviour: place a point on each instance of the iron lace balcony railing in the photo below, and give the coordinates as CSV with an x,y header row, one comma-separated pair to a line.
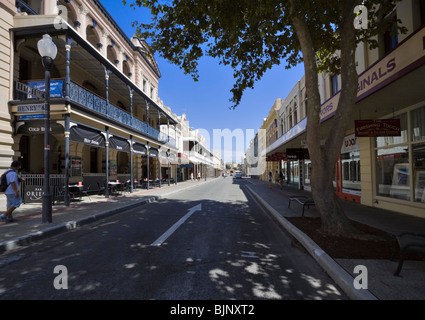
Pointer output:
x,y
98,104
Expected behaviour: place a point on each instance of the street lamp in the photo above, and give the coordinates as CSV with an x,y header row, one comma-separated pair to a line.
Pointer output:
x,y
48,51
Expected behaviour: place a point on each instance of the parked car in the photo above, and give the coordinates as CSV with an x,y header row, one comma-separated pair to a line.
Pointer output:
x,y
238,175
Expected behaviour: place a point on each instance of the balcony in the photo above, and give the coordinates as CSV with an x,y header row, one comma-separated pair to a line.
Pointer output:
x,y
85,99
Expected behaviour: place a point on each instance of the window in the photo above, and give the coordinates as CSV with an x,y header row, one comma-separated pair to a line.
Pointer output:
x,y
401,160
334,85
391,36
393,178
144,85
418,124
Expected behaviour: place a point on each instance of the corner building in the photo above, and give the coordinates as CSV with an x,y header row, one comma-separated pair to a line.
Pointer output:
x,y
107,122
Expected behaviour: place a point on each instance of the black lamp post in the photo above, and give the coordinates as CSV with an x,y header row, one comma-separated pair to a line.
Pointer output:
x,y
48,52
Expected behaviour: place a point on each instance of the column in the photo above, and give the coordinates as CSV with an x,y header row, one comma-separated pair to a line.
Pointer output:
x,y
107,91
107,164
67,117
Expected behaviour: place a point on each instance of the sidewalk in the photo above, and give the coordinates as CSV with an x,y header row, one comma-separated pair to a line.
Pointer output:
x,y
382,284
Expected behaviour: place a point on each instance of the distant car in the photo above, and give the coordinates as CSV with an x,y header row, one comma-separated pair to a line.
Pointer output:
x,y
238,175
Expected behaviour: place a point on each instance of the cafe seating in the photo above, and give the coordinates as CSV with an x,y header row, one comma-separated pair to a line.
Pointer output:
x,y
85,191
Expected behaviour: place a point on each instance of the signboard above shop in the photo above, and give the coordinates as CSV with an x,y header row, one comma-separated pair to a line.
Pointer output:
x,y
35,127
297,154
377,128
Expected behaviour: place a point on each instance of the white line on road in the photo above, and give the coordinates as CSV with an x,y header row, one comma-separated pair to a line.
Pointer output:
x,y
170,231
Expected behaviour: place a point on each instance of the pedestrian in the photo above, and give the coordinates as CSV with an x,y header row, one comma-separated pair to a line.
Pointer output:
x,y
276,177
199,175
191,176
270,179
12,192
281,178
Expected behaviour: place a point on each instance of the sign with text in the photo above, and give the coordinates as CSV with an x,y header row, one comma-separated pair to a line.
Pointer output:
x,y
377,128
297,154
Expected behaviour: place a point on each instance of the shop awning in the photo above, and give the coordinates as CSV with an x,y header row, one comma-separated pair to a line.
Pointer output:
x,y
87,136
119,144
140,149
33,127
153,152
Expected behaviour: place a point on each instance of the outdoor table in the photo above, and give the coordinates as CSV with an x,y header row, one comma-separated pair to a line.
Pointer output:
x,y
114,186
75,190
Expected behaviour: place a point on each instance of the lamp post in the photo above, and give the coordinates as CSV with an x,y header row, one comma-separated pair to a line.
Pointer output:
x,y
48,51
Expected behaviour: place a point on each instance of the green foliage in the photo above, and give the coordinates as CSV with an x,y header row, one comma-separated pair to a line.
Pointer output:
x,y
251,36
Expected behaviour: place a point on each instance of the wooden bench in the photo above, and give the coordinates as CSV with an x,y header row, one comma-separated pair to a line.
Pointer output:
x,y
305,201
408,242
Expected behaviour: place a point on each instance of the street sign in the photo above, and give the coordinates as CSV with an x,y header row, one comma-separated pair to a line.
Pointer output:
x,y
33,108
22,87
32,116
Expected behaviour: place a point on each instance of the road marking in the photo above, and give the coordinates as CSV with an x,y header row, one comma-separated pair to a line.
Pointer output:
x,y
248,254
170,231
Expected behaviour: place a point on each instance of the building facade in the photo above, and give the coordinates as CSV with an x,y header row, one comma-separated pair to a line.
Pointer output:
x,y
106,119
381,168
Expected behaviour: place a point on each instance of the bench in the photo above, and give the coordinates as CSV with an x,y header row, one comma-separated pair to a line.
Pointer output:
x,y
408,242
305,201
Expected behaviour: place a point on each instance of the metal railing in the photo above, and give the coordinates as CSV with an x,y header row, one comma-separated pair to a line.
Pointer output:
x,y
24,7
98,104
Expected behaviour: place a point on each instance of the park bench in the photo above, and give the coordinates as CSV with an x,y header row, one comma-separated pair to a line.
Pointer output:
x,y
305,201
408,242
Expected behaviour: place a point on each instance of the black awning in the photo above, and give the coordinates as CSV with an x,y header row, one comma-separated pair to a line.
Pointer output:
x,y
140,149
37,127
153,152
119,144
87,136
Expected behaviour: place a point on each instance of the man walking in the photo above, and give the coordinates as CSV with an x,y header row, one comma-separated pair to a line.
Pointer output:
x,y
12,192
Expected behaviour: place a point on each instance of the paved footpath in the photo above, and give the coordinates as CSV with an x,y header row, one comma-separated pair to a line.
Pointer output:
x,y
382,284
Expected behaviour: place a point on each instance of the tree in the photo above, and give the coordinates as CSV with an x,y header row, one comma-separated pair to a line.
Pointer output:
x,y
254,35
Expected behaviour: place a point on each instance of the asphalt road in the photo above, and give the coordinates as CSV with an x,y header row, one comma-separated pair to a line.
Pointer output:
x,y
212,242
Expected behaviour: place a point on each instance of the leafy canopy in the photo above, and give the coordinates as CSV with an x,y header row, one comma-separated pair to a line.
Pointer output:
x,y
251,36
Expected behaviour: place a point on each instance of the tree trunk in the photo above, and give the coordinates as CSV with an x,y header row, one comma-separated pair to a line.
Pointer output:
x,y
324,156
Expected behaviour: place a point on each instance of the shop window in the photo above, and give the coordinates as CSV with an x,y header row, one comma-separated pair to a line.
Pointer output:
x,y
351,171
393,176
418,124
388,141
419,171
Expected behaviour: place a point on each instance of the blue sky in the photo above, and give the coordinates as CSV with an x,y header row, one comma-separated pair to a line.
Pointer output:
x,y
206,102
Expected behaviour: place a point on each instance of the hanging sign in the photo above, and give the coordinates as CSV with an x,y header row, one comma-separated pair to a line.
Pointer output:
x,y
297,154
377,128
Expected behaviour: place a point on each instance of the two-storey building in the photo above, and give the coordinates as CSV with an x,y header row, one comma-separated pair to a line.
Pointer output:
x,y
106,117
